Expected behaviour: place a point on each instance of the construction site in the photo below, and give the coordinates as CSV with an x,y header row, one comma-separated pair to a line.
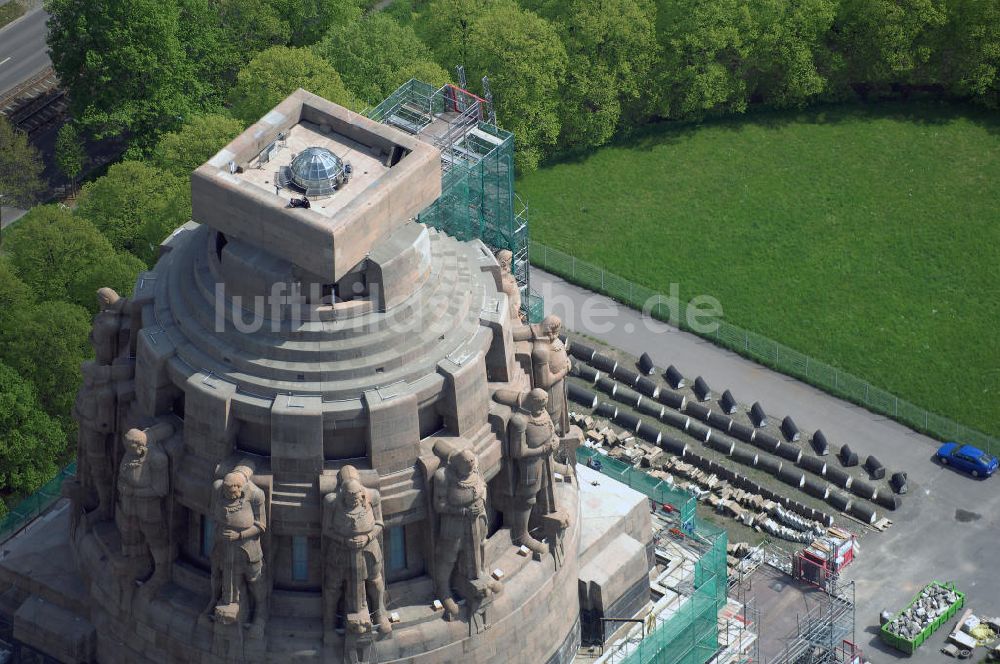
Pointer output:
x,y
770,539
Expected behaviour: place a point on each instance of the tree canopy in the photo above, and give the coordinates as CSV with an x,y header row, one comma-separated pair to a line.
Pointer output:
x,y
277,72
181,152
124,64
30,441
135,206
20,167
375,55
52,251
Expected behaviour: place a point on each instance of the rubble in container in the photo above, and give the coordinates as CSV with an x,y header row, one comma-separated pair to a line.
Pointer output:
x,y
931,604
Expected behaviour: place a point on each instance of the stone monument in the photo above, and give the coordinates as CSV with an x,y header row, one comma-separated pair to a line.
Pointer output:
x,y
308,434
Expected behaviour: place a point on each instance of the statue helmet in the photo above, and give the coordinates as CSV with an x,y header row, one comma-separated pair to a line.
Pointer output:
x,y
107,296
135,437
536,399
550,323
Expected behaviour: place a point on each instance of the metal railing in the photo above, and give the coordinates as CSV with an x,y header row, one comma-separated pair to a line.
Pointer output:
x,y
35,504
764,350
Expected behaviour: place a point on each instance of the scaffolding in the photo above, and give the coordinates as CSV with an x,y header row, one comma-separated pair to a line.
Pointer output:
x,y
477,172
825,635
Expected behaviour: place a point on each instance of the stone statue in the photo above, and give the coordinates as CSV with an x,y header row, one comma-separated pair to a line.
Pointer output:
x,y
238,513
532,441
460,503
107,325
143,484
550,364
95,413
352,551
508,284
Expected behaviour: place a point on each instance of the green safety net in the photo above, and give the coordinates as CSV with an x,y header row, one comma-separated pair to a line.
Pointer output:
x,y
689,635
35,504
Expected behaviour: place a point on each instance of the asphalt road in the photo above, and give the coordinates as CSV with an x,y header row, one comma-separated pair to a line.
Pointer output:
x,y
948,528
23,50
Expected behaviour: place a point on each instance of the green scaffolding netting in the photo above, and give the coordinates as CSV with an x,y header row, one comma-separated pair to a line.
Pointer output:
x,y
477,178
35,504
689,632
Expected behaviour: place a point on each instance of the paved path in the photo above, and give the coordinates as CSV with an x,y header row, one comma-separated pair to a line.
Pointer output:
x,y
23,51
949,525
8,215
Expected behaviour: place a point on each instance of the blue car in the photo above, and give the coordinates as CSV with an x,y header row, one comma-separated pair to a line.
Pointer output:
x,y
968,459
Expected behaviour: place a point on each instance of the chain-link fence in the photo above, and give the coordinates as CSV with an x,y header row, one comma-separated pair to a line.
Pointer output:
x,y
763,350
35,504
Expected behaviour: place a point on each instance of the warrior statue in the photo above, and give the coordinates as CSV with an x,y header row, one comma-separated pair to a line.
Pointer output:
x,y
237,558
143,484
352,526
95,415
460,502
532,441
508,284
107,325
550,364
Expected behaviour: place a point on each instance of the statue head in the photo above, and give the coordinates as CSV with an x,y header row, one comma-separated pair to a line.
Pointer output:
x,y
354,493
464,463
551,326
506,259
107,298
232,485
535,401
136,442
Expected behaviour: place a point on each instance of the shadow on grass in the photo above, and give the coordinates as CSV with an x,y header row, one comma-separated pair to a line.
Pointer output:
x,y
923,112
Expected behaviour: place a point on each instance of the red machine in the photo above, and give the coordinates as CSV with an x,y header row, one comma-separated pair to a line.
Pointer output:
x,y
825,557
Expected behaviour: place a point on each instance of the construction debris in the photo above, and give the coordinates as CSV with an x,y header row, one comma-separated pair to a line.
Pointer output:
x,y
911,627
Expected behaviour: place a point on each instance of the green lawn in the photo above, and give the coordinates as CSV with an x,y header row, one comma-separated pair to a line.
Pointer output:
x,y
865,237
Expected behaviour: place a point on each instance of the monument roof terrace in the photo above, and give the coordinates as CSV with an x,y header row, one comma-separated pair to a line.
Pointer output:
x,y
394,176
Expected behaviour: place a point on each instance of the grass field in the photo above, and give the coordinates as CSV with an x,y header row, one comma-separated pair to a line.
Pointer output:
x,y
10,11
865,237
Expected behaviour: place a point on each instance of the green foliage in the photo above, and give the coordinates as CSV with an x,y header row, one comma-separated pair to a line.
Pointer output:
x,y
252,24
69,152
311,19
124,64
969,51
612,48
886,41
864,238
9,12
181,152
14,293
118,271
54,252
135,206
376,55
30,441
20,167
46,345
277,72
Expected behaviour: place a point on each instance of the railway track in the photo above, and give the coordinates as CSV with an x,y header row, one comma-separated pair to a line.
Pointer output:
x,y
35,104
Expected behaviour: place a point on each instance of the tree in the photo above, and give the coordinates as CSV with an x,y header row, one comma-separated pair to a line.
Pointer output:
x,y
46,345
277,72
118,271
14,293
612,47
134,195
124,65
69,153
886,41
445,26
969,51
376,55
51,250
20,167
253,25
181,152
30,441
523,57
311,19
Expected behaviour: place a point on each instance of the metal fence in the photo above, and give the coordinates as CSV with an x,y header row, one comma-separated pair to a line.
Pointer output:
x,y
35,504
764,350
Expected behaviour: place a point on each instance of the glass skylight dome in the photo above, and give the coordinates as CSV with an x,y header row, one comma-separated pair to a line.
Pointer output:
x,y
317,171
